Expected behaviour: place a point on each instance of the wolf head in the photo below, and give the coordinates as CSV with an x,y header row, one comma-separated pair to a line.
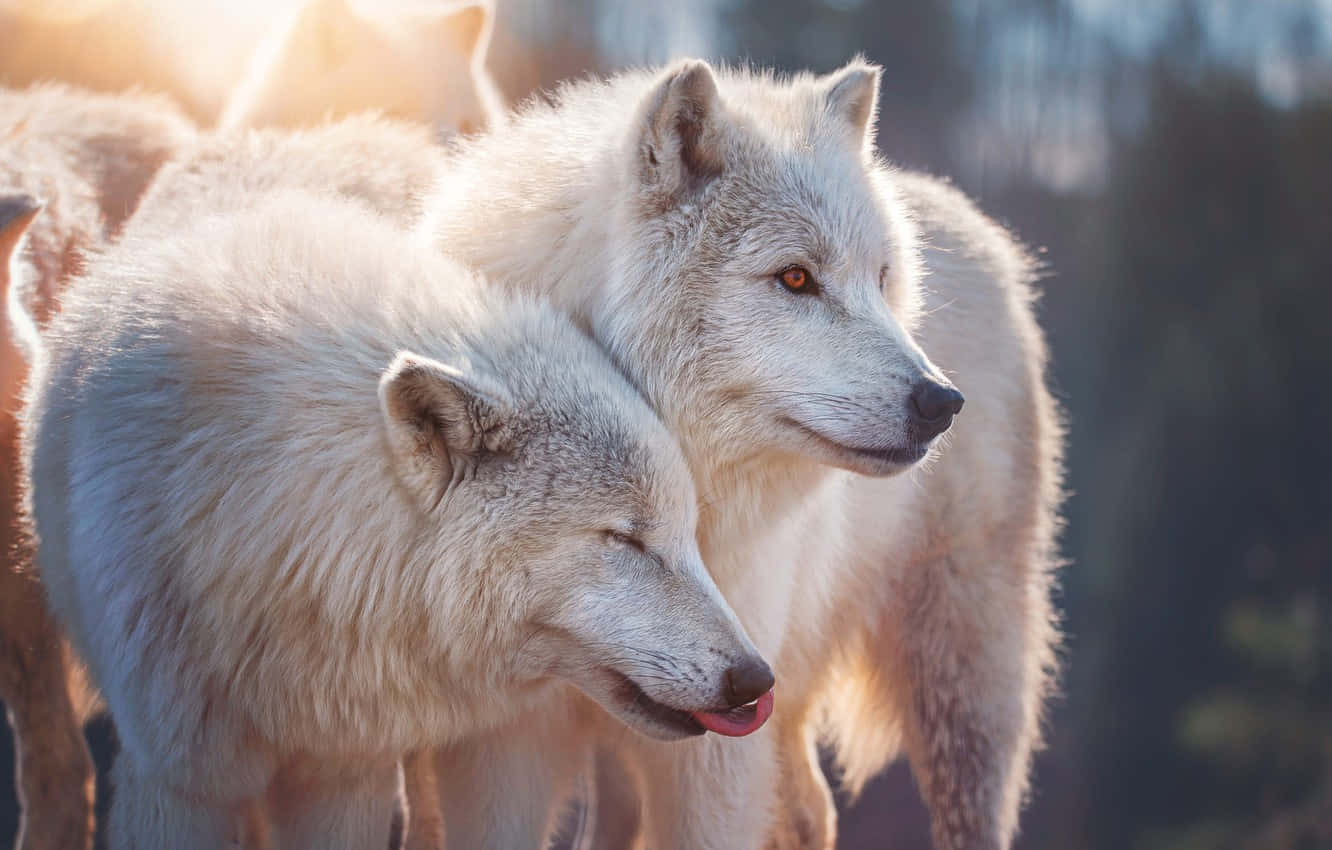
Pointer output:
x,y
732,241
764,278
333,59
543,452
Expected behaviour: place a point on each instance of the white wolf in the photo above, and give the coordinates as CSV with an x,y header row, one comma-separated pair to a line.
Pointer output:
x,y
329,59
769,285
309,496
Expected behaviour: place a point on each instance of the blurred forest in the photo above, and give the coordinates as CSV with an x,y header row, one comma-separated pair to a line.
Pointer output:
x,y
1171,162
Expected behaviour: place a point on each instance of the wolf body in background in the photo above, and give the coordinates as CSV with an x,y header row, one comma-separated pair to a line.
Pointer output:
x,y
904,612
386,505
178,49
86,158
320,59
328,59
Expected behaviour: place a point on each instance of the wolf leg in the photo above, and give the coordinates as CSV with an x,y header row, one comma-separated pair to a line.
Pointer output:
x,y
317,807
54,768
806,818
425,819
505,788
708,793
971,649
614,809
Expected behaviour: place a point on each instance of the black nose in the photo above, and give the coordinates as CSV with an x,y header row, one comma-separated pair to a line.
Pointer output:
x,y
747,681
932,408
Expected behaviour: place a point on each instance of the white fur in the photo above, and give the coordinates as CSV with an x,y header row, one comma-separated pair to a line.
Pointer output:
x,y
310,497
384,164
907,613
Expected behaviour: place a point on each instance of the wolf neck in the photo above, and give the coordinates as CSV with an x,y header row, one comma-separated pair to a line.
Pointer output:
x,y
745,498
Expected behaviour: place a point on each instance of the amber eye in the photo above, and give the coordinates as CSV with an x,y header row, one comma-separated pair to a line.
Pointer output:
x,y
797,279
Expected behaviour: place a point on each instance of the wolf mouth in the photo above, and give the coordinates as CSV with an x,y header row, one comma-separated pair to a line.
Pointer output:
x,y
895,455
635,700
734,722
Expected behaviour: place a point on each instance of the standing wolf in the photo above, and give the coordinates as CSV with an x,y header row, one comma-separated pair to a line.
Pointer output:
x,y
308,497
772,288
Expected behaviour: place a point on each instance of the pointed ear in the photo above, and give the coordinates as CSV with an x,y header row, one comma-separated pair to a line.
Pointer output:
x,y
852,96
16,215
468,28
681,143
440,421
329,29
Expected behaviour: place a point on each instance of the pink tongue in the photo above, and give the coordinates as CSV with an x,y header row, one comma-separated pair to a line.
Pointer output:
x,y
737,722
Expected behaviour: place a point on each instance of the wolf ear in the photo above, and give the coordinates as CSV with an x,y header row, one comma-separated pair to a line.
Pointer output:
x,y
440,421
16,215
852,95
328,28
681,139
468,27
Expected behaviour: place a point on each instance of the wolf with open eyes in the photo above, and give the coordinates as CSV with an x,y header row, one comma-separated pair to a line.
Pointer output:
x,y
805,318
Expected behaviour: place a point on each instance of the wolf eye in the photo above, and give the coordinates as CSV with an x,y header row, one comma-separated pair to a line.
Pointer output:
x,y
884,270
622,539
798,279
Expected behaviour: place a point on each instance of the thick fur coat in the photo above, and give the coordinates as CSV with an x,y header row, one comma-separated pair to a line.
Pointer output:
x,y
385,165
906,606
309,496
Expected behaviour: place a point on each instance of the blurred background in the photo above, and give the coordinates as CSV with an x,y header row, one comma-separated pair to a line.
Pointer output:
x,y
1170,161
